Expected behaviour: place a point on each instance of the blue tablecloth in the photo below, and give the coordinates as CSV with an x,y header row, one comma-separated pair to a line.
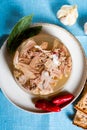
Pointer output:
x,y
11,117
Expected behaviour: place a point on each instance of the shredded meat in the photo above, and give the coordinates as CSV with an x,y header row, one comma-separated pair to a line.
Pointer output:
x,y
38,69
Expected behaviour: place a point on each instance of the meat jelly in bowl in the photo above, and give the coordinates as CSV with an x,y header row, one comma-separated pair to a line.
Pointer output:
x,y
42,65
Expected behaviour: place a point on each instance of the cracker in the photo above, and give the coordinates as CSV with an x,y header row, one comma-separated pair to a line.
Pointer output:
x,y
82,104
80,119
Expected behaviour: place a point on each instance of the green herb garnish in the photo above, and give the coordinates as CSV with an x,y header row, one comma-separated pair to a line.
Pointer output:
x,y
21,31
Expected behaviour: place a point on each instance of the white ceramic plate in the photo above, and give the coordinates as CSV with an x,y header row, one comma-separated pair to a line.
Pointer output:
x,y
74,85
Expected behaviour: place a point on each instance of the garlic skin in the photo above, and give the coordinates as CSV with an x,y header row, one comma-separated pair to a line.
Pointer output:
x,y
85,28
68,14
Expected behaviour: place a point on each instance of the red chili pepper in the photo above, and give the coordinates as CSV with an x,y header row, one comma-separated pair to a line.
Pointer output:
x,y
61,99
65,104
47,106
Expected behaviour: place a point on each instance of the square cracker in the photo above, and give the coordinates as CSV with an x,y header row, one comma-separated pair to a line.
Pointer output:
x,y
82,104
80,119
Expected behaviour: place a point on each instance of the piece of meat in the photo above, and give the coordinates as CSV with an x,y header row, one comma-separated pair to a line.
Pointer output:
x,y
56,74
56,43
65,51
37,63
26,70
21,54
42,50
16,58
45,79
48,64
44,45
26,46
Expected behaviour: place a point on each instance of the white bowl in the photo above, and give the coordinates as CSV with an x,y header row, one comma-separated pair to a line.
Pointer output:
x,y
74,84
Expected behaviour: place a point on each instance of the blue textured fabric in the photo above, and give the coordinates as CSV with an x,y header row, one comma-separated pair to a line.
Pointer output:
x,y
11,117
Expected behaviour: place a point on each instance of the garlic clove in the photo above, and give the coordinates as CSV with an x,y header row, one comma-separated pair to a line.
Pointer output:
x,y
85,28
68,14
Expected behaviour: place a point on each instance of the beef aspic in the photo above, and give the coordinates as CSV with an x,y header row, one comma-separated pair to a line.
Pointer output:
x,y
40,70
